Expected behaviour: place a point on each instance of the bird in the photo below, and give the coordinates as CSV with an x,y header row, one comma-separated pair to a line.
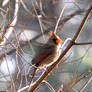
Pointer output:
x,y
48,53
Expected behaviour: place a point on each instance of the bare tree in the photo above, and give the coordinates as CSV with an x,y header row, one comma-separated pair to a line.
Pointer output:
x,y
25,26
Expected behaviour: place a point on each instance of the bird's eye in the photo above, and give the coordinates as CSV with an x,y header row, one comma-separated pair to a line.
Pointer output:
x,y
54,40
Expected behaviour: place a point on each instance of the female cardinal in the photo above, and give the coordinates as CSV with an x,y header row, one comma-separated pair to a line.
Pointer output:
x,y
48,53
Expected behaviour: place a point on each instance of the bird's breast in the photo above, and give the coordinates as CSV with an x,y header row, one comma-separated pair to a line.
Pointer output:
x,y
51,58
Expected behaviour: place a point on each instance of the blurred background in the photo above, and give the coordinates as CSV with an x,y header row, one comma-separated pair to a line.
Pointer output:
x,y
30,21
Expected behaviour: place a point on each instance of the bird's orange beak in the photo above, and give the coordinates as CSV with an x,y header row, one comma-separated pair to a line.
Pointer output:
x,y
58,41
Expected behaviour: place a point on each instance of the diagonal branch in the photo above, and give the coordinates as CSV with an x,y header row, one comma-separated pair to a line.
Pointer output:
x,y
82,24
85,85
33,87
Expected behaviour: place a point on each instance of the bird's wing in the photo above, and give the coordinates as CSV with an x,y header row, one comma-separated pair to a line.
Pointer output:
x,y
43,53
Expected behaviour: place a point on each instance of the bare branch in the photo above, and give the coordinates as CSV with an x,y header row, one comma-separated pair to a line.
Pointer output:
x,y
85,43
11,26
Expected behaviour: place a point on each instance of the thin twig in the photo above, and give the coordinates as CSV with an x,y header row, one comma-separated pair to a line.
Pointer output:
x,y
82,24
50,87
22,89
40,23
61,14
82,89
2,10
